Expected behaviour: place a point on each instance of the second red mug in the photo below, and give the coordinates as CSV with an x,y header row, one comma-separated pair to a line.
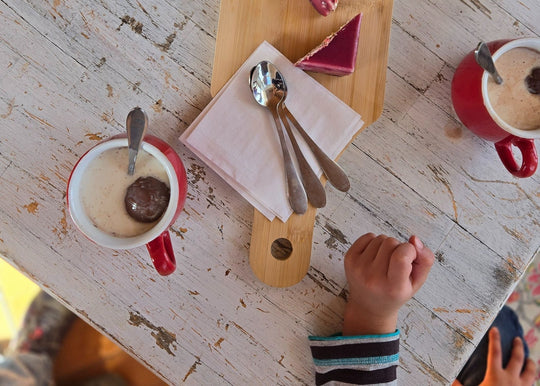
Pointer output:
x,y
475,110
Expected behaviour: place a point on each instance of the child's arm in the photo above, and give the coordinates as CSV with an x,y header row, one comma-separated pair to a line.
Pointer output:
x,y
382,274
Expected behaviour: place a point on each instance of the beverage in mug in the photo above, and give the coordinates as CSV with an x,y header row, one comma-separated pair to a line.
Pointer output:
x,y
512,100
104,185
506,114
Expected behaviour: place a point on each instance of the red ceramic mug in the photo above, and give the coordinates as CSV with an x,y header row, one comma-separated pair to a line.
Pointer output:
x,y
157,238
473,108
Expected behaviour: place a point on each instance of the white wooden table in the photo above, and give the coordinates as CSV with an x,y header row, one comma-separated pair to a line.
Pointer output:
x,y
70,70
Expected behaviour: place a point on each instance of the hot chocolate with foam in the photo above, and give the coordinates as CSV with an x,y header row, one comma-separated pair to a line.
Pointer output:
x,y
104,186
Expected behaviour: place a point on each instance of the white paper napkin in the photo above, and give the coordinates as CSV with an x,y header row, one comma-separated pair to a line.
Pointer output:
x,y
236,137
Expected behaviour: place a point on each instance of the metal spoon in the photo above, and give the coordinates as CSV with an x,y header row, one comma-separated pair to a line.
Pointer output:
x,y
268,87
484,59
335,174
136,125
312,184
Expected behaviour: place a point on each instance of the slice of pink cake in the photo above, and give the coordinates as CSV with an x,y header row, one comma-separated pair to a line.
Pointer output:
x,y
324,7
336,55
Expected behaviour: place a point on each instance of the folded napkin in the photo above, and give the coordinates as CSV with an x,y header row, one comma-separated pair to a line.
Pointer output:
x,y
236,137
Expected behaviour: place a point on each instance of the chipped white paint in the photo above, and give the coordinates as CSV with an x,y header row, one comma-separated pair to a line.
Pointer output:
x,y
71,71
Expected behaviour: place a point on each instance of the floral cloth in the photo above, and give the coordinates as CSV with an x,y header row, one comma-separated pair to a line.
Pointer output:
x,y
525,301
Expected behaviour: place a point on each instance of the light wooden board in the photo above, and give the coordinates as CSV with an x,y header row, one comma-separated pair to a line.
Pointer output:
x,y
294,28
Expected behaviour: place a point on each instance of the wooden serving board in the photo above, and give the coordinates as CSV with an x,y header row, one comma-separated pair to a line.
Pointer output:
x,y
294,28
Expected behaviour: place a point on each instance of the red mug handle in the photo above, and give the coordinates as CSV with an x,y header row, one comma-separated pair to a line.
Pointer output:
x,y
162,254
528,152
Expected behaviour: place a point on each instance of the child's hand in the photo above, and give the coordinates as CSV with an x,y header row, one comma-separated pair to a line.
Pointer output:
x,y
383,274
511,375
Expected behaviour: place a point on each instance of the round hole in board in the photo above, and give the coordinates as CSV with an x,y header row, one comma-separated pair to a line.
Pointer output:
x,y
281,249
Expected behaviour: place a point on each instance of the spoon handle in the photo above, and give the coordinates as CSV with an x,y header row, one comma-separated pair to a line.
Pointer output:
x,y
313,186
484,59
331,169
136,124
296,192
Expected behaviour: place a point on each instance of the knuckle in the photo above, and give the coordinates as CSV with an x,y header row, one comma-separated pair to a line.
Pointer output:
x,y
404,252
390,242
381,237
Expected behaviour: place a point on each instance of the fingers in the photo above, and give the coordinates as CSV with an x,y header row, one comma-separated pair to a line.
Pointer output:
x,y
494,359
529,372
400,265
413,260
515,364
414,240
361,243
352,257
373,247
423,263
457,383
382,259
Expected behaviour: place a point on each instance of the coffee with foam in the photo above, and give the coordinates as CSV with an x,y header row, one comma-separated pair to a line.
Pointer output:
x,y
511,100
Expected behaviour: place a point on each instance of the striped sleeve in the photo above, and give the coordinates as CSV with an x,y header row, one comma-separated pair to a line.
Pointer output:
x,y
358,360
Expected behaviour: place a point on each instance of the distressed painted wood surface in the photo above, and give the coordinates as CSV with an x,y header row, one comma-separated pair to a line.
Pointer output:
x,y
72,70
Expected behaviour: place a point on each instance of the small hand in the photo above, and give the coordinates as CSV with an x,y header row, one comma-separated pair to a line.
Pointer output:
x,y
512,375
383,274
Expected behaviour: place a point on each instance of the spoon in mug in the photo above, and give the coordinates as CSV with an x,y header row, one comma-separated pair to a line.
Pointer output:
x,y
136,125
268,89
147,198
485,60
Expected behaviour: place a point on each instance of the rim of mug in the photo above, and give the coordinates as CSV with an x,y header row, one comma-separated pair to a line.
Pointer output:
x,y
516,43
87,227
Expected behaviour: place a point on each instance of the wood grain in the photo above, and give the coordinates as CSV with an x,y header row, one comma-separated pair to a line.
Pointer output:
x,y
298,231
294,28
73,69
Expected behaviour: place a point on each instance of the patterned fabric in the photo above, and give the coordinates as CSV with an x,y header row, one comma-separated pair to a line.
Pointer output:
x,y
44,326
358,360
525,301
26,369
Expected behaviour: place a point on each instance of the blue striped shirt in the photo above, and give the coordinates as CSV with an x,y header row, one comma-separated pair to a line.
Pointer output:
x,y
357,360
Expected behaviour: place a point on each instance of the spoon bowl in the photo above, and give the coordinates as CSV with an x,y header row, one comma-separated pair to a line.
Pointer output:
x,y
267,84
